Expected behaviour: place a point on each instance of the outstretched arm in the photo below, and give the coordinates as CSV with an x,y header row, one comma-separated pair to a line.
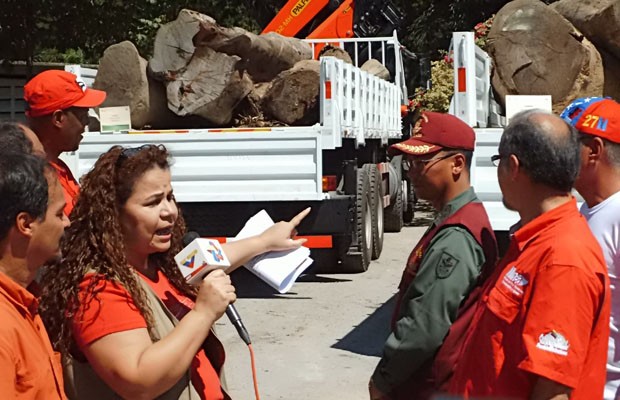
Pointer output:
x,y
278,237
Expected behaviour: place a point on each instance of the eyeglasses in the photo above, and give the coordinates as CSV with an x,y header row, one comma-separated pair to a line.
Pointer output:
x,y
495,159
413,163
129,152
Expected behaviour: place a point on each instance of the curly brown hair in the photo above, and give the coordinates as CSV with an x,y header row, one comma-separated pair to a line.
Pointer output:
x,y
94,242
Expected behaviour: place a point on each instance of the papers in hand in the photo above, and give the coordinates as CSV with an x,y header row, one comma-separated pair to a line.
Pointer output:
x,y
279,269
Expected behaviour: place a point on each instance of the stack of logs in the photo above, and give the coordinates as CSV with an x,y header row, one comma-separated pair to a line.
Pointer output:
x,y
204,75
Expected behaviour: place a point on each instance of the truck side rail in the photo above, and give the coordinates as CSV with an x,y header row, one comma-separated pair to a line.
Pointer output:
x,y
387,44
356,104
472,81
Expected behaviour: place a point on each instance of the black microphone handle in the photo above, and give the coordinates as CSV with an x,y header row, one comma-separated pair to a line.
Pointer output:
x,y
235,319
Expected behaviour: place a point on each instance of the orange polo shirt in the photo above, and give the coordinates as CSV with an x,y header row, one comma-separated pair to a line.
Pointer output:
x,y
545,312
29,367
114,310
70,186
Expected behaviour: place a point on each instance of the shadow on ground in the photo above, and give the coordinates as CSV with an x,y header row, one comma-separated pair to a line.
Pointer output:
x,y
369,336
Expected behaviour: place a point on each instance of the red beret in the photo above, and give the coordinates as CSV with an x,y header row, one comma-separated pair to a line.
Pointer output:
x,y
435,131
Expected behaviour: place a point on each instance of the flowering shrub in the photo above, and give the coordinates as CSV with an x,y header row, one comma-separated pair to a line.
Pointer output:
x,y
481,32
437,98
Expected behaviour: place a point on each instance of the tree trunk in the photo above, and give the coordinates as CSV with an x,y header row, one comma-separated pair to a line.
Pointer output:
x,y
211,87
536,51
264,56
292,97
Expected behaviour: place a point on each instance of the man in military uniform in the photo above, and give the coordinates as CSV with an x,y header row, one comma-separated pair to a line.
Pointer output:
x,y
455,254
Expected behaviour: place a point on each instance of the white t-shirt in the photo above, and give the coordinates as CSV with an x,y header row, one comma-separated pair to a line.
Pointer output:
x,y
604,221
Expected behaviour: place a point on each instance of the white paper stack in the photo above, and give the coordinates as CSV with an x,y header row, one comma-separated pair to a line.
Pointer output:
x,y
279,269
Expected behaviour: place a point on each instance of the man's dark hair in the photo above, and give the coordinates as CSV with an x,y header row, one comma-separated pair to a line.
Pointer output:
x,y
549,158
23,188
13,139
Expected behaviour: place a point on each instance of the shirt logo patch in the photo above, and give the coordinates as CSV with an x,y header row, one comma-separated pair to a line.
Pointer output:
x,y
514,281
446,265
553,342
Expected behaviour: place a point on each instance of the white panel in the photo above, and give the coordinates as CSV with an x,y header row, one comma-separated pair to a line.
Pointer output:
x,y
230,166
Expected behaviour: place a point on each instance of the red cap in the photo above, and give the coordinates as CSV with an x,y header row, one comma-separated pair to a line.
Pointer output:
x,y
435,131
53,90
596,116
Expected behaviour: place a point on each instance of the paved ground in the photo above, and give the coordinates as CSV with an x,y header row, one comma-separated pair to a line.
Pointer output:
x,y
322,340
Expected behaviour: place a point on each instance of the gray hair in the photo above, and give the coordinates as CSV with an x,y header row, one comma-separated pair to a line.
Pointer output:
x,y
549,156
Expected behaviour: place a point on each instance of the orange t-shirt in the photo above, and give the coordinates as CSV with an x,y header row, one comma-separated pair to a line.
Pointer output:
x,y
545,312
70,186
113,310
29,367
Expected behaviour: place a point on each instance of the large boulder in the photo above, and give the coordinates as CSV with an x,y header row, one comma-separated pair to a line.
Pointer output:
x,y
537,51
599,20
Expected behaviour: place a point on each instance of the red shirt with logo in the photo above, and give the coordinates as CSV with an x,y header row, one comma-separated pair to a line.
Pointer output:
x,y
544,313
113,310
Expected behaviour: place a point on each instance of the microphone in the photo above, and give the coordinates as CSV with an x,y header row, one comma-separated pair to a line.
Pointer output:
x,y
199,253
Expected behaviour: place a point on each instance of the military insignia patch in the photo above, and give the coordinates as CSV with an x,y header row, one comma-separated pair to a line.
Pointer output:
x,y
446,265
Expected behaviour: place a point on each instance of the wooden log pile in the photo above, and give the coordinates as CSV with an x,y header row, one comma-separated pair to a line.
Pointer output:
x,y
202,74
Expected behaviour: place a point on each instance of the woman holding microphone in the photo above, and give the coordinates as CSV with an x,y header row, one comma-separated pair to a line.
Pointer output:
x,y
118,307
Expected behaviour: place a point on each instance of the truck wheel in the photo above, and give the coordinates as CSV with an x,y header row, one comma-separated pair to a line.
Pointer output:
x,y
409,201
394,213
377,209
358,257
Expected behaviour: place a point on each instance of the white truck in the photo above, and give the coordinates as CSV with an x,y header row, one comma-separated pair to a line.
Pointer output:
x,y
339,166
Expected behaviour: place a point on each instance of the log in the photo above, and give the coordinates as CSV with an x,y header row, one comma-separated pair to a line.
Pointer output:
x,y
174,47
210,86
375,67
199,81
332,51
265,56
611,64
599,20
293,96
537,51
122,75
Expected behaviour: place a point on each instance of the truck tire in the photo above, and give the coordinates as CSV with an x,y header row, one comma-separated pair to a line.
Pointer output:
x,y
409,201
377,209
393,215
358,256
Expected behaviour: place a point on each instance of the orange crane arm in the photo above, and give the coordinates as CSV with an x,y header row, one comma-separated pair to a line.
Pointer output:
x,y
294,16
338,25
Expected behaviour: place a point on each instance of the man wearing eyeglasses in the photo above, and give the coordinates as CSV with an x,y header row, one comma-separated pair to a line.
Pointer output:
x,y
57,104
541,326
598,122
455,254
